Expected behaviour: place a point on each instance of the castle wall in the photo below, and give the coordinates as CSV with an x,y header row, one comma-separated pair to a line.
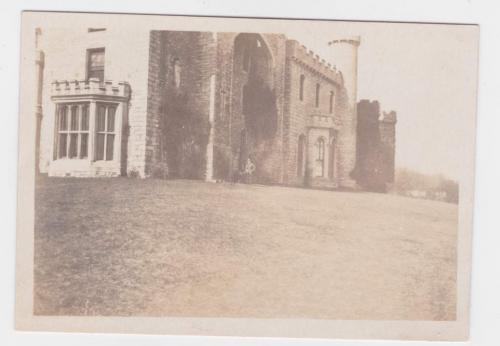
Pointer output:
x,y
375,146
178,110
299,114
387,130
65,59
192,84
230,120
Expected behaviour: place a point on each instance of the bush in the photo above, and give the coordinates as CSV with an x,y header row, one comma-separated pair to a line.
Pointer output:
x,y
133,173
160,170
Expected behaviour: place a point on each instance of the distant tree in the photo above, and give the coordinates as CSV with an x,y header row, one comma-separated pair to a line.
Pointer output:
x,y
408,180
452,190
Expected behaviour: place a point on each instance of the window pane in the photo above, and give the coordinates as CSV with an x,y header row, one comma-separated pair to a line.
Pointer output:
x,y
99,74
85,118
331,101
63,120
95,67
97,59
74,118
321,149
302,79
84,145
101,118
99,147
317,95
73,145
111,118
62,145
109,147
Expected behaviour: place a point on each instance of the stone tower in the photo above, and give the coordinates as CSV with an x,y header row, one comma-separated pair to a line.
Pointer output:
x,y
345,57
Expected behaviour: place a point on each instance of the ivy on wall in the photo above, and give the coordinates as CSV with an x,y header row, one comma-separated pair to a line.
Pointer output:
x,y
184,136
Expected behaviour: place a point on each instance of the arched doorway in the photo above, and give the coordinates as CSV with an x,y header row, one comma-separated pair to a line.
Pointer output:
x,y
254,101
320,157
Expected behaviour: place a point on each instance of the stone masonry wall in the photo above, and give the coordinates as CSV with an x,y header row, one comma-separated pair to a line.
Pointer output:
x,y
229,120
178,111
375,146
299,62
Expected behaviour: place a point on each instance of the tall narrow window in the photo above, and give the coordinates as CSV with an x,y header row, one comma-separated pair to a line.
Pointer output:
x,y
331,159
95,63
320,158
317,94
72,121
332,96
301,87
105,132
177,73
300,155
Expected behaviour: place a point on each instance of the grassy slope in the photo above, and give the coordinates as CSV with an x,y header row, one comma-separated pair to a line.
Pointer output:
x,y
188,248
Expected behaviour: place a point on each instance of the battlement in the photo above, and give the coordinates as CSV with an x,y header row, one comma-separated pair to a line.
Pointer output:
x,y
369,106
302,55
92,88
371,110
389,117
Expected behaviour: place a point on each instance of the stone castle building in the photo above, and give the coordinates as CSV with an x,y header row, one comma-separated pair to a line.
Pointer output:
x,y
198,105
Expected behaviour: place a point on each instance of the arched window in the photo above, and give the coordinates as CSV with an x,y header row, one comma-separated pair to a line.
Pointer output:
x,y
300,155
317,94
331,159
320,158
177,72
301,90
332,96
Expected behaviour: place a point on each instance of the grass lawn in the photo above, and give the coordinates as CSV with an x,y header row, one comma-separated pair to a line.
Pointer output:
x,y
188,248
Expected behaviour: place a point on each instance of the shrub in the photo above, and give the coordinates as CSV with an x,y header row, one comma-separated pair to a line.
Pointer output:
x,y
133,173
160,170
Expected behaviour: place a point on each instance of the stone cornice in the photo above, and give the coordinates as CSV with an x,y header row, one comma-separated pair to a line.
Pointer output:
x,y
91,89
319,120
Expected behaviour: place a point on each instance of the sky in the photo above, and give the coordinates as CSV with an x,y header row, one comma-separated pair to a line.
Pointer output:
x,y
425,72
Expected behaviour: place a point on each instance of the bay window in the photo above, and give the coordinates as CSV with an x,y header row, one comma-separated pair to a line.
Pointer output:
x,y
90,116
73,124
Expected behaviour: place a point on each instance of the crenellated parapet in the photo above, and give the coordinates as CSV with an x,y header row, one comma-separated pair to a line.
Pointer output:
x,y
312,62
92,88
389,117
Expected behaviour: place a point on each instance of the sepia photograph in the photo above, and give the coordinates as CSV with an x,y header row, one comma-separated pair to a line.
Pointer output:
x,y
243,176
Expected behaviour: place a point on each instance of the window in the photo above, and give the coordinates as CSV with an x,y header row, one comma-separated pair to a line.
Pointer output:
x,y
331,159
177,72
105,132
332,96
72,121
301,90
317,94
320,159
95,64
300,155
